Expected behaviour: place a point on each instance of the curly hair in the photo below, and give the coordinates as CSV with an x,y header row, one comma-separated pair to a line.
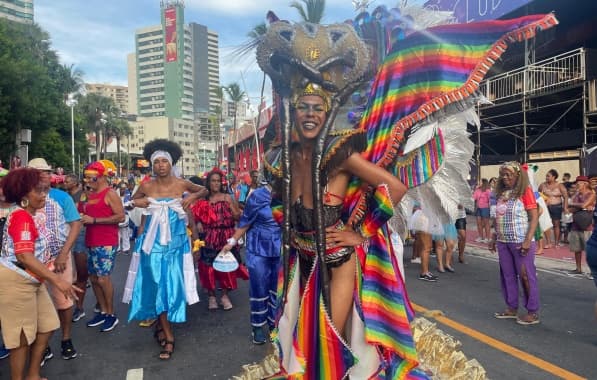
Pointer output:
x,y
19,182
215,171
165,145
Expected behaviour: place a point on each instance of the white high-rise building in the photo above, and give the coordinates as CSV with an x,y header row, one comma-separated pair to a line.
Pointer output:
x,y
17,10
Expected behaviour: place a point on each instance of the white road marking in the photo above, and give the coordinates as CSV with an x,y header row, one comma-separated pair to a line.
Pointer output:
x,y
134,374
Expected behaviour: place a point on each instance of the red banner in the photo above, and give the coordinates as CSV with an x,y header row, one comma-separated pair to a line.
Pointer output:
x,y
170,26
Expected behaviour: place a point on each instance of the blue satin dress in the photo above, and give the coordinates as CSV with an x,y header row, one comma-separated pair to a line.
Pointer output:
x,y
159,285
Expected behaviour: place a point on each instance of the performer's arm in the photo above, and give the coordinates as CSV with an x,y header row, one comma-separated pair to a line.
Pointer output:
x,y
374,175
233,240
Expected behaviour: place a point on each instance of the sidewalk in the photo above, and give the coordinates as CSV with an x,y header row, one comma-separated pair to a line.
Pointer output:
x,y
554,258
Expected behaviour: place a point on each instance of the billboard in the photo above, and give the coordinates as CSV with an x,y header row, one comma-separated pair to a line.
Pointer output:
x,y
476,10
170,32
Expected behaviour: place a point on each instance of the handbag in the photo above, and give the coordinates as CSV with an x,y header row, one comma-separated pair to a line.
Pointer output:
x,y
583,219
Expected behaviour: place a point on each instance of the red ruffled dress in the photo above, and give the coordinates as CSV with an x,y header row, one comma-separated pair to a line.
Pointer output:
x,y
218,226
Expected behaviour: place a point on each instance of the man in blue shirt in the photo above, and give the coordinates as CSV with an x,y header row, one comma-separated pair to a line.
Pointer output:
x,y
62,225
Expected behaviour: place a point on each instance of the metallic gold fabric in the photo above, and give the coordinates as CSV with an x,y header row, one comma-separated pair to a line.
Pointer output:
x,y
439,354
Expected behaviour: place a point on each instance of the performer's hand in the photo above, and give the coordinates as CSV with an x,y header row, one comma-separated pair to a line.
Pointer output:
x,y
346,238
227,248
86,219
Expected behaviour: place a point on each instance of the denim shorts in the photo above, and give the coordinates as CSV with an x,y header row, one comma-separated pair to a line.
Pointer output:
x,y
482,212
79,246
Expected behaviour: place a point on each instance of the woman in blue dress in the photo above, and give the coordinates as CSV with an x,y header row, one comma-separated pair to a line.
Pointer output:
x,y
161,276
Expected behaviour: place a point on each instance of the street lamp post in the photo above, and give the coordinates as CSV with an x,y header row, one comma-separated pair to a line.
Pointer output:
x,y
72,102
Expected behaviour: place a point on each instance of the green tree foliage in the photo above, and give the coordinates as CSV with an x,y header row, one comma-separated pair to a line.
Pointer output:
x,y
236,96
33,85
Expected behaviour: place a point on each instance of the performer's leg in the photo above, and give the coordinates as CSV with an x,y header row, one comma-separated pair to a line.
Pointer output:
x,y
258,288
341,292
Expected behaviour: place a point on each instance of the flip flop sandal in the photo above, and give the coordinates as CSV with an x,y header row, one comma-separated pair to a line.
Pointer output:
x,y
533,319
167,354
505,315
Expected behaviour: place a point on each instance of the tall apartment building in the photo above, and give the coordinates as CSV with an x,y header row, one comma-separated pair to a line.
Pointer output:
x,y
206,63
164,66
120,94
17,10
170,76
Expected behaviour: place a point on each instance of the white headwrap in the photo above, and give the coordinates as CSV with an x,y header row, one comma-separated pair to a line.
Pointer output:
x,y
161,154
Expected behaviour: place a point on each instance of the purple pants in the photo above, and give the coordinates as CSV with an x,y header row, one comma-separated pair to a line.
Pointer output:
x,y
511,264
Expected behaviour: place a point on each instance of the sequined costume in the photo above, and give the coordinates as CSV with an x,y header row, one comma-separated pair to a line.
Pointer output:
x,y
415,127
161,275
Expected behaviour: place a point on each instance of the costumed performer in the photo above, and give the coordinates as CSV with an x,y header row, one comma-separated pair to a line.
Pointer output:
x,y
262,256
218,215
414,126
161,277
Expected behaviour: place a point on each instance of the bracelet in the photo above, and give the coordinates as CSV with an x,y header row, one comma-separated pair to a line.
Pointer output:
x,y
232,241
94,221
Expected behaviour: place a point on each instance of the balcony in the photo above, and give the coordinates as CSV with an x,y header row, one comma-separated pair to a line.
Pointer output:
x,y
544,77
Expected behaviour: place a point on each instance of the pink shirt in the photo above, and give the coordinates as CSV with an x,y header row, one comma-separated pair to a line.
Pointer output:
x,y
482,198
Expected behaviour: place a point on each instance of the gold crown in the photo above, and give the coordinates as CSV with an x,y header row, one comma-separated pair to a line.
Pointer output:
x,y
315,90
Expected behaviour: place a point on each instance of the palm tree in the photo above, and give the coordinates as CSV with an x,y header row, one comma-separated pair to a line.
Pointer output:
x,y
310,10
119,128
92,108
236,95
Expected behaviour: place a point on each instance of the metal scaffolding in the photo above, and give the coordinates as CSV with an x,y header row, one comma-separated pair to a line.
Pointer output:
x,y
529,102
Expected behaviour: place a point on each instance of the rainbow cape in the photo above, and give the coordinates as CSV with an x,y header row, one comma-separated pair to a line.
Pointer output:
x,y
422,76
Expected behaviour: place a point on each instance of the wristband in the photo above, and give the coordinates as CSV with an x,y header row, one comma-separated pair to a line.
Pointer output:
x,y
94,221
232,241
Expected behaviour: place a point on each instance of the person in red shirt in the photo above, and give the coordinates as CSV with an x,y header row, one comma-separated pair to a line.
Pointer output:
x,y
27,314
101,215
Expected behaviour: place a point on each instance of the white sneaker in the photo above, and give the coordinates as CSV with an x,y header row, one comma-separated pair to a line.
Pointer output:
x,y
416,260
478,240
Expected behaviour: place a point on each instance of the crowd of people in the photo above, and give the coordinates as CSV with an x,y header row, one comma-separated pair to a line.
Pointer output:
x,y
507,211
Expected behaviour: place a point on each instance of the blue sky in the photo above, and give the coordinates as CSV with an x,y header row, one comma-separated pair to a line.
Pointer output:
x,y
97,35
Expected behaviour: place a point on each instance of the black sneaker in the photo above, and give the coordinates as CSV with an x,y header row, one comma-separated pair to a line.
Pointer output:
x,y
68,350
429,277
47,356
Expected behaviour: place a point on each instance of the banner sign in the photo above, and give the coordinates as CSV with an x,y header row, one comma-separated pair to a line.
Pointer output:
x,y
170,29
476,10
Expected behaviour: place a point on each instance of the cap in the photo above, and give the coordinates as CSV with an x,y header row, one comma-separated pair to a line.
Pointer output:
x,y
39,163
583,178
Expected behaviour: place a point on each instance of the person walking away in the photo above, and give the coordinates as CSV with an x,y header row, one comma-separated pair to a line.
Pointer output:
x,y
101,215
61,224
582,201
262,258
516,221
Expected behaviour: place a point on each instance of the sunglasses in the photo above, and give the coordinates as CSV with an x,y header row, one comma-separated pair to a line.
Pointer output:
x,y
90,179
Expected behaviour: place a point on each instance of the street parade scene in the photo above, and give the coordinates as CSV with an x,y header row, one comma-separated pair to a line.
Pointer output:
x,y
305,189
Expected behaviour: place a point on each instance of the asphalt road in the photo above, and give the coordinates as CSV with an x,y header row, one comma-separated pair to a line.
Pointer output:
x,y
565,338
214,345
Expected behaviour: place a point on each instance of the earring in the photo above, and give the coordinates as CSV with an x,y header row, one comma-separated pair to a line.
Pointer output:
x,y
24,202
